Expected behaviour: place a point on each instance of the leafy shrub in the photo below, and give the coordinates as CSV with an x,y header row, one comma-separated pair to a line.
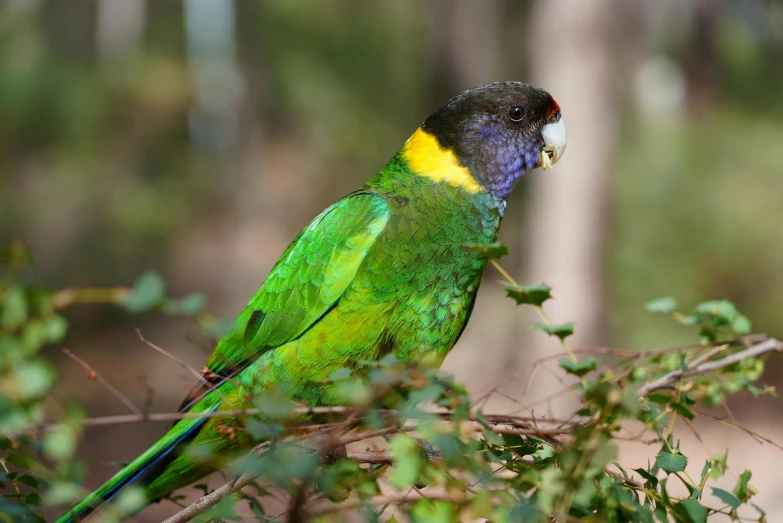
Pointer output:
x,y
446,460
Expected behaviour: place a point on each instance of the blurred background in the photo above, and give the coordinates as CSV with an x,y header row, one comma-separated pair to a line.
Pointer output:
x,y
197,137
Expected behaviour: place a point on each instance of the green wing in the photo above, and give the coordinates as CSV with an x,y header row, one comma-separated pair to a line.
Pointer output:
x,y
306,283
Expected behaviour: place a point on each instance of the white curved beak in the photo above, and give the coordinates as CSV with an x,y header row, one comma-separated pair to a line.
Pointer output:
x,y
554,135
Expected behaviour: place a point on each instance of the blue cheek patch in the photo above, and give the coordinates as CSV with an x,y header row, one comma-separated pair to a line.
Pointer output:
x,y
511,158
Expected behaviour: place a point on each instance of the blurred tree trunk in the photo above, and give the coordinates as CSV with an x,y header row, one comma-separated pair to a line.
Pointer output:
x,y
119,27
469,52
701,64
572,51
468,43
70,29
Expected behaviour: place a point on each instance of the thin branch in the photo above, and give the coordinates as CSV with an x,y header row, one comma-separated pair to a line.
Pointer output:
x,y
521,424
702,366
327,447
236,484
214,497
173,358
372,456
296,511
751,339
65,297
92,375
199,376
381,501
707,356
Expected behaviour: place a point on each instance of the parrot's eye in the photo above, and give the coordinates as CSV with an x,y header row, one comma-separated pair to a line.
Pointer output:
x,y
516,113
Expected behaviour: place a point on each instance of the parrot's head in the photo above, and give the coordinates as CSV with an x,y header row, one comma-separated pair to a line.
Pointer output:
x,y
498,131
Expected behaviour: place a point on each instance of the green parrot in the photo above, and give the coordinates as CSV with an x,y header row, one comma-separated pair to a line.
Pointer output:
x,y
385,270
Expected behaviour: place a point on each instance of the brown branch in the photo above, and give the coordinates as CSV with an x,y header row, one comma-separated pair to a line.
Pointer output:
x,y
173,358
371,456
520,424
199,376
296,511
92,375
702,366
65,297
751,339
328,447
236,484
393,500
214,497
327,440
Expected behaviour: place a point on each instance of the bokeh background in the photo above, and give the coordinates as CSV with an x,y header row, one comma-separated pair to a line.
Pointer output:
x,y
197,138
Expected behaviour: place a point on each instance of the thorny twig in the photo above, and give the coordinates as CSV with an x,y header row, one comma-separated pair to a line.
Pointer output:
x,y
501,423
701,366
91,374
335,440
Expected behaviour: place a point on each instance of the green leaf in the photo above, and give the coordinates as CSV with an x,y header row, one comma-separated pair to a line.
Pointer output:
x,y
742,490
671,463
191,304
694,510
433,511
215,327
59,443
61,493
661,398
353,392
408,460
274,404
718,464
14,311
649,478
705,471
666,304
340,374
17,459
33,335
741,325
224,510
27,479
723,309
580,368
34,499
489,250
148,291
33,379
562,331
681,409
688,320
532,295
131,500
686,400
726,497
263,431
55,328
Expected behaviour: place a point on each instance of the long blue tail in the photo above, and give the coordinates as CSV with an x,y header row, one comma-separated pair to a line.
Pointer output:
x,y
139,472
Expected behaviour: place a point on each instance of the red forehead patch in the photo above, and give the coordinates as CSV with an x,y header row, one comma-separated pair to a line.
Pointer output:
x,y
553,109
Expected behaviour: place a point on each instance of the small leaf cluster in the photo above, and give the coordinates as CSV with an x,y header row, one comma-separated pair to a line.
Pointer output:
x,y
718,320
487,471
29,320
41,470
443,460
720,326
149,292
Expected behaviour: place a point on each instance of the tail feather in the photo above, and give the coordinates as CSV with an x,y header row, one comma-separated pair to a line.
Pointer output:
x,y
140,471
